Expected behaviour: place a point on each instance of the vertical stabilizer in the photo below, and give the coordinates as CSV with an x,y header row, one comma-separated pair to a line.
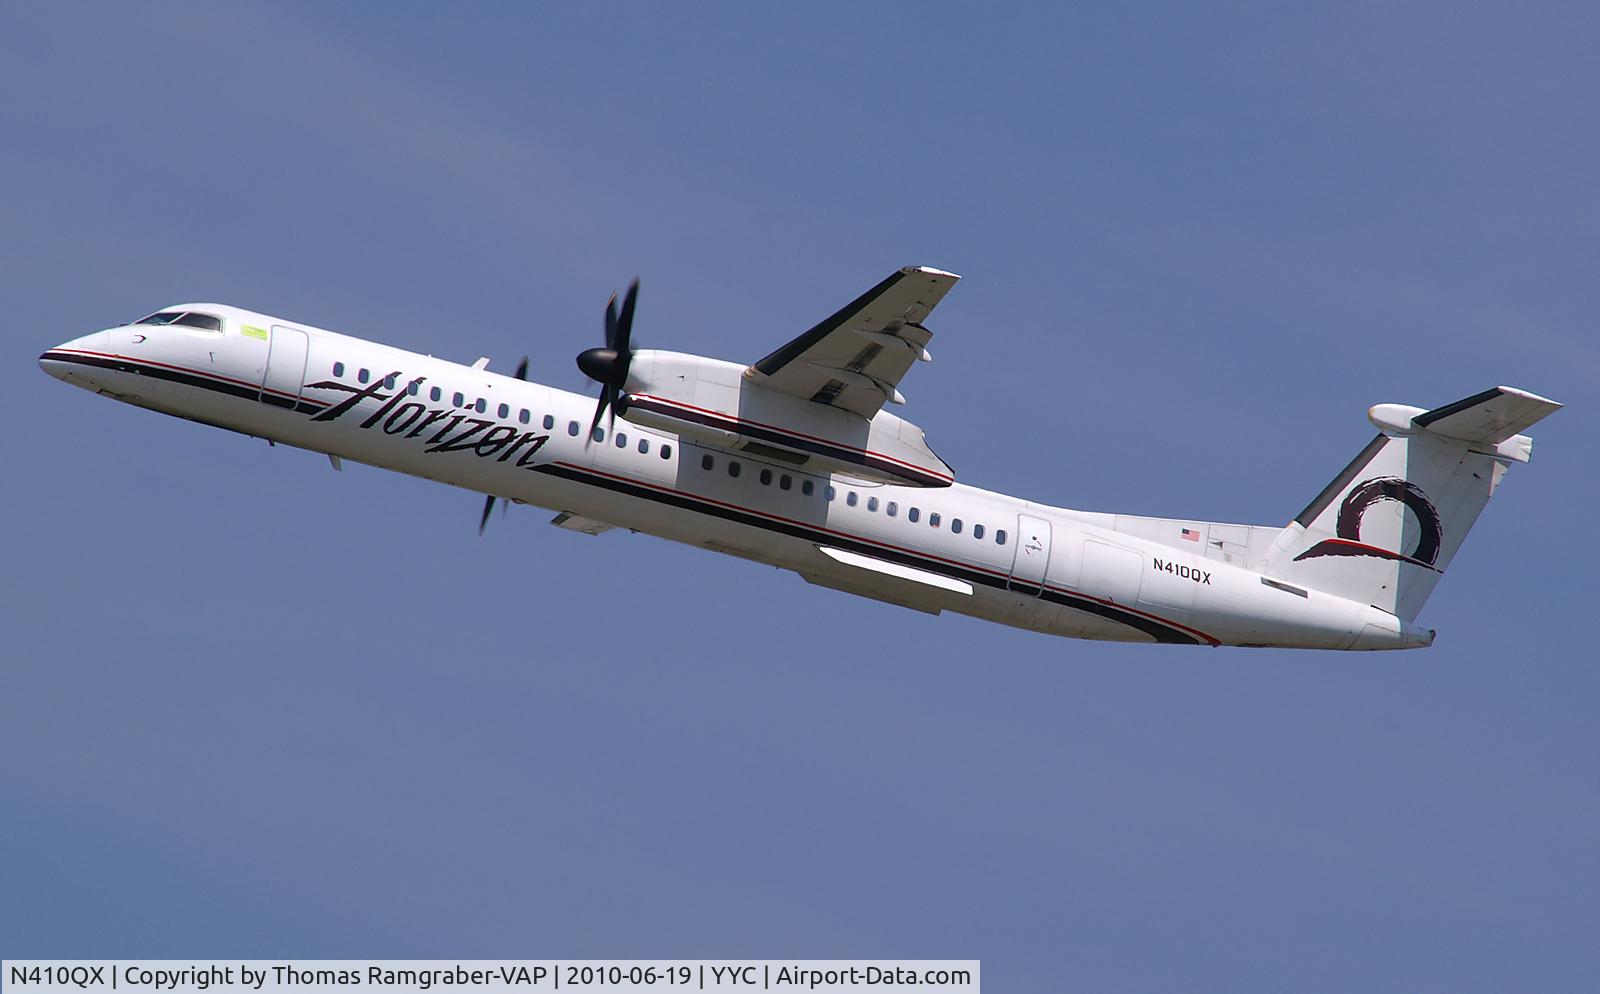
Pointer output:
x,y
1383,532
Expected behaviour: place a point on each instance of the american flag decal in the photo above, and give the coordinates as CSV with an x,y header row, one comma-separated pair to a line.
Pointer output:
x,y
1191,535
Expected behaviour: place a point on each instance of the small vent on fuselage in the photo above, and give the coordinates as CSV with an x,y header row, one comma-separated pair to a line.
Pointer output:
x,y
1287,588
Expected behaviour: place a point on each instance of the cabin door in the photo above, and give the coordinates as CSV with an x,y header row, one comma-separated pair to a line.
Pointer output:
x,y
1032,555
286,367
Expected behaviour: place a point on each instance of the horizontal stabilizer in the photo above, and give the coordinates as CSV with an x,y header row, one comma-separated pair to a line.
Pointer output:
x,y
1488,418
1491,422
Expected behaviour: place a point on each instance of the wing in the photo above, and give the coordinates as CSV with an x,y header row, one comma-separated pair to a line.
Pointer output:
x,y
854,359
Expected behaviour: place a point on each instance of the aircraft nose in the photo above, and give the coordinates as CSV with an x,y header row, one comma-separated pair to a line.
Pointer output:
x,y
52,363
59,361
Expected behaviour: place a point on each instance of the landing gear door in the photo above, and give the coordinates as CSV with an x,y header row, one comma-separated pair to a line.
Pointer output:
x,y
1032,555
285,377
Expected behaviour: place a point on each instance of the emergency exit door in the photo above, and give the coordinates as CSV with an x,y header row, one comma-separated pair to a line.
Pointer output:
x,y
1032,557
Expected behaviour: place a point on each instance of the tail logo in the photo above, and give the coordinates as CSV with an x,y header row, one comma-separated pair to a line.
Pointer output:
x,y
1354,507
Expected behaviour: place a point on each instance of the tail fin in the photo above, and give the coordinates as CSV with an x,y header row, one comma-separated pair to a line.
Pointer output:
x,y
1384,530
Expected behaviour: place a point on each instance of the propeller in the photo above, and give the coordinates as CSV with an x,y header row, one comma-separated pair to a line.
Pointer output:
x,y
608,366
488,502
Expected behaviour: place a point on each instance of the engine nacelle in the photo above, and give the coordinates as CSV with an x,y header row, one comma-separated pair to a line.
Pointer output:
x,y
713,402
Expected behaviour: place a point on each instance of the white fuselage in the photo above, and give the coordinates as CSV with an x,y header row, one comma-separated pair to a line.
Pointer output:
x,y
955,548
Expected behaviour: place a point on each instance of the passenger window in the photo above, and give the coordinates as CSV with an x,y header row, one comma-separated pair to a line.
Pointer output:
x,y
706,462
933,518
362,375
621,439
785,482
912,514
999,536
413,388
460,401
977,531
549,421
435,393
573,428
599,434
733,467
479,406
955,526
830,492
666,452
766,477
892,509
505,410
872,503
644,446
807,487
388,382
338,369
525,416
851,498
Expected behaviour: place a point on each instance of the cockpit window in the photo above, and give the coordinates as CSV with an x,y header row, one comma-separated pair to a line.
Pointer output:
x,y
209,322
192,319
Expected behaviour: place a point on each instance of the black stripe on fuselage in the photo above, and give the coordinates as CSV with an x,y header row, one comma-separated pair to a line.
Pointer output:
x,y
230,388
913,477
1158,630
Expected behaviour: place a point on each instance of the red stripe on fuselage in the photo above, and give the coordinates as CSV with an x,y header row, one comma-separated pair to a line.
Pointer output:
x,y
203,374
915,553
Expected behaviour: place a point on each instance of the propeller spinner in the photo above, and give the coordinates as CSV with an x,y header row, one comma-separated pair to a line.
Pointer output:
x,y
608,366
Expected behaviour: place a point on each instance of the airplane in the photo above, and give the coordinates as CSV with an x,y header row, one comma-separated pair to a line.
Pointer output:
x,y
793,461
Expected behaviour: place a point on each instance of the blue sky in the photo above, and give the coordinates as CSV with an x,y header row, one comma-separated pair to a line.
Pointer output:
x,y
254,708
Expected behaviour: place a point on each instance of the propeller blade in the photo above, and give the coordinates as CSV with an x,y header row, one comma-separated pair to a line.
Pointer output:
x,y
600,408
608,366
625,321
522,369
488,506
